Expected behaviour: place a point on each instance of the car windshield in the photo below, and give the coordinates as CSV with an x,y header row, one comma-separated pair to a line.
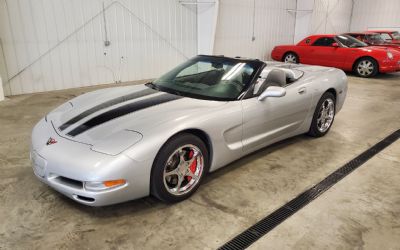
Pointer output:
x,y
209,77
396,35
375,39
350,41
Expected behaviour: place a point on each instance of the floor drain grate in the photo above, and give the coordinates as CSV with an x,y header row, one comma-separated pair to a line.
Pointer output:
x,y
255,232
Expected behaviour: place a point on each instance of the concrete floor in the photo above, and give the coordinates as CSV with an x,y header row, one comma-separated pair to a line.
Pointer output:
x,y
361,211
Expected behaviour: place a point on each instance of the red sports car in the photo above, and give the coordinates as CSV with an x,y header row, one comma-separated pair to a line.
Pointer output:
x,y
340,51
390,36
372,38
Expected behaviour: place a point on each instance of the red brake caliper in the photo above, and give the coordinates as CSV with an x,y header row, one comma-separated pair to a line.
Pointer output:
x,y
193,165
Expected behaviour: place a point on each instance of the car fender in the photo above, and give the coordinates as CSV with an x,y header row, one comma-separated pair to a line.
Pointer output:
x,y
229,128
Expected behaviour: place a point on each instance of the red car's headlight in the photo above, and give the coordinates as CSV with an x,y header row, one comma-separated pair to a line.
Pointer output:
x,y
389,55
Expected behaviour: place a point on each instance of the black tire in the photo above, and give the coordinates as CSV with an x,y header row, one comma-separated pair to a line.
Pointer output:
x,y
290,57
314,129
361,70
157,186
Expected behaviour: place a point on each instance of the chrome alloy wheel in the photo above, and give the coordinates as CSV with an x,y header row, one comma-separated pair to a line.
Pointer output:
x,y
183,169
326,115
290,58
365,67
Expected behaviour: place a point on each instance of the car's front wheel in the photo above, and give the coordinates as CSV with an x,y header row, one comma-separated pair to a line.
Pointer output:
x,y
290,57
324,115
179,168
366,67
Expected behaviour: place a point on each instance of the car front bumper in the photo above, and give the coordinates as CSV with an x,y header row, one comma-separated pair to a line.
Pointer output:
x,y
79,194
66,166
389,66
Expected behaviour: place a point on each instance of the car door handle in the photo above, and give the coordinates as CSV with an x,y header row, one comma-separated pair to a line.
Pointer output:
x,y
301,90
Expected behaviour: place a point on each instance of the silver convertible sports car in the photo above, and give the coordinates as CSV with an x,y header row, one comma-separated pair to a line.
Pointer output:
x,y
163,137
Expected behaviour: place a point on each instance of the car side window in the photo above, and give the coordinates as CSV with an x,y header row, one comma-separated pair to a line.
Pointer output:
x,y
357,36
257,85
324,41
360,37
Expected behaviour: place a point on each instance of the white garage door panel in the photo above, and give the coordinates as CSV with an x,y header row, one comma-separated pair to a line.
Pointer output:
x,y
331,16
273,25
59,44
372,14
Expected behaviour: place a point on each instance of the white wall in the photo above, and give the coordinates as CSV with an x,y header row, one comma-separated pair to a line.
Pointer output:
x,y
331,16
3,72
207,14
276,22
1,90
304,15
58,44
372,14
273,25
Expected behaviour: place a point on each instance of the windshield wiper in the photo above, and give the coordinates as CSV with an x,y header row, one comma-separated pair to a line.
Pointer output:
x,y
175,92
171,91
153,86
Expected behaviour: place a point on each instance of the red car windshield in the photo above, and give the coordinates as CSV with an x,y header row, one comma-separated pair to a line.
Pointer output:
x,y
375,39
396,35
350,41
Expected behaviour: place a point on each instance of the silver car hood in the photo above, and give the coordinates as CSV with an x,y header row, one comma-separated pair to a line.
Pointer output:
x,y
113,119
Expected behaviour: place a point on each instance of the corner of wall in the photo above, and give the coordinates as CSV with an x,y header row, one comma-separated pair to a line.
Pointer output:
x,y
1,90
207,16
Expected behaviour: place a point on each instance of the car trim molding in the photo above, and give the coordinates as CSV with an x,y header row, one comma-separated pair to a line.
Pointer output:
x,y
107,104
123,110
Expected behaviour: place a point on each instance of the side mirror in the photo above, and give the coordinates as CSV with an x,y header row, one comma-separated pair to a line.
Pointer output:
x,y
336,45
272,91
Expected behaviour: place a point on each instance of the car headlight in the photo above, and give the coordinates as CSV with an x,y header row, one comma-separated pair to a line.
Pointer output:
x,y
389,55
103,185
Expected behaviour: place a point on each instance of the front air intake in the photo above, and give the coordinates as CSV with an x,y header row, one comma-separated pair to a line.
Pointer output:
x,y
69,182
84,198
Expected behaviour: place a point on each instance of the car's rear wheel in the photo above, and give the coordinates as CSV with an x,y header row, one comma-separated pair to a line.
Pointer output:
x,y
290,57
179,168
366,67
324,115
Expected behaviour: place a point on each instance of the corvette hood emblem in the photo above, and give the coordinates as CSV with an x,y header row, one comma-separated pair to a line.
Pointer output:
x,y
51,141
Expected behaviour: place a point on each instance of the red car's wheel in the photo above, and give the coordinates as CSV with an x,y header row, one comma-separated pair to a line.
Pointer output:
x,y
290,57
366,67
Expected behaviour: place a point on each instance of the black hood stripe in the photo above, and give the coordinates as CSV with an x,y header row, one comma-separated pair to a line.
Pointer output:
x,y
123,110
107,104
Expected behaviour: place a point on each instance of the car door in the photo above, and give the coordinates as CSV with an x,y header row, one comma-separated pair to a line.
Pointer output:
x,y
324,53
304,54
274,117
